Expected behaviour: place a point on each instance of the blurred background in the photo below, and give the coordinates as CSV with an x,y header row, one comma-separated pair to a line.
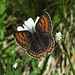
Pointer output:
x,y
13,13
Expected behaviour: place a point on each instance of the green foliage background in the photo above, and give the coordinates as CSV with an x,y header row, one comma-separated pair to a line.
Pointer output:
x,y
14,12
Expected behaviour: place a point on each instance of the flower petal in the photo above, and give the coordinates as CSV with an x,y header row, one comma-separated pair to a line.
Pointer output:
x,y
15,65
29,23
37,19
58,36
19,28
25,27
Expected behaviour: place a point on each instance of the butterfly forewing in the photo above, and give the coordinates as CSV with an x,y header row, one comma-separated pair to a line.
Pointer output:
x,y
23,38
43,26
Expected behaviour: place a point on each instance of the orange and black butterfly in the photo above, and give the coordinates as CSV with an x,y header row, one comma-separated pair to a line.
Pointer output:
x,y
40,41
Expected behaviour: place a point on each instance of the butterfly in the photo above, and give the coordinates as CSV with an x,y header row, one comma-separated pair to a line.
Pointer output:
x,y
39,42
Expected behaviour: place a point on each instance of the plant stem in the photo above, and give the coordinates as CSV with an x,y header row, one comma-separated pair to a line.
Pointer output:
x,y
64,46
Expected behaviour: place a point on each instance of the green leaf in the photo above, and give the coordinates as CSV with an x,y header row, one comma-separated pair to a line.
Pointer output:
x,y
4,55
56,21
2,18
38,70
55,73
35,67
18,60
33,74
1,68
3,6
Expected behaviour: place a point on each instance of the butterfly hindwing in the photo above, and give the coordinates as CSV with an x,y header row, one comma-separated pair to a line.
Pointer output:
x,y
35,50
23,38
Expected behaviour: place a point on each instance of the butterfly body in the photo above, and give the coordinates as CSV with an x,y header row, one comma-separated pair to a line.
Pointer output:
x,y
40,41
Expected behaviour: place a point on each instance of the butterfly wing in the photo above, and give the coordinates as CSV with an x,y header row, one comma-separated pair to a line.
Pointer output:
x,y
43,26
35,50
23,38
44,29
48,43
26,41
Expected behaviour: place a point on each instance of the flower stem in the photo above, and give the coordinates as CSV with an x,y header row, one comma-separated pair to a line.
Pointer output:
x,y
64,46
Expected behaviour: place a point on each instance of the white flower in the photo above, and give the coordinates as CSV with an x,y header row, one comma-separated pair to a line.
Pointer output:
x,y
15,65
28,25
58,36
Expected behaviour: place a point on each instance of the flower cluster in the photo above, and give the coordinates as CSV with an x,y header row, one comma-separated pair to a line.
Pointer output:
x,y
58,36
15,65
28,25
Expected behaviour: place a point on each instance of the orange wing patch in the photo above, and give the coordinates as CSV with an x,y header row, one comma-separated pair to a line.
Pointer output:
x,y
36,55
45,24
22,39
48,50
